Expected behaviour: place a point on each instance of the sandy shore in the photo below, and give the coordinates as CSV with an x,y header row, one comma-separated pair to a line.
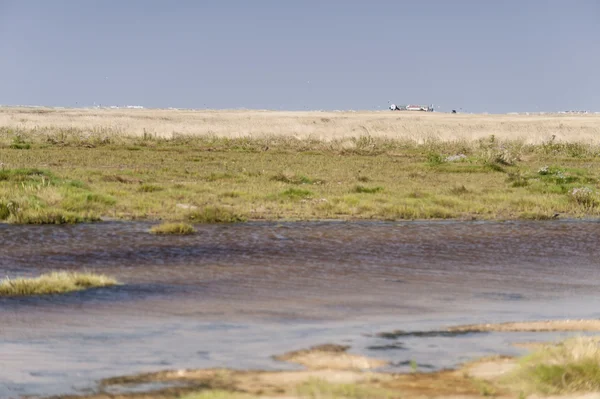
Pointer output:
x,y
536,326
329,371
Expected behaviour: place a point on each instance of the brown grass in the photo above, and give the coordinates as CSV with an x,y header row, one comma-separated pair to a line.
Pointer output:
x,y
53,283
319,125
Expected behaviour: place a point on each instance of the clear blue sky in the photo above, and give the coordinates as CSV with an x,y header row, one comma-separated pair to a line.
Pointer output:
x,y
479,55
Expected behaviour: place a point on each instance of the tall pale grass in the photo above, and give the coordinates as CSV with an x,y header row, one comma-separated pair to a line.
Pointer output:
x,y
419,127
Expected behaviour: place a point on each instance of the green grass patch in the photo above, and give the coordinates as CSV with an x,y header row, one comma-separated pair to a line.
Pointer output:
x,y
494,167
173,229
292,178
149,188
459,190
19,143
85,201
216,176
435,159
25,174
215,214
231,194
536,216
517,179
53,283
4,210
366,190
296,193
20,146
50,216
572,366
235,179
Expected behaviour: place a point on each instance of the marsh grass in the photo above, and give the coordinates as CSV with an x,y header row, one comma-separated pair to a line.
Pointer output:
x,y
517,179
536,216
173,229
459,190
149,188
585,197
293,178
296,193
50,216
53,283
366,190
572,366
30,196
19,144
435,159
215,214
227,180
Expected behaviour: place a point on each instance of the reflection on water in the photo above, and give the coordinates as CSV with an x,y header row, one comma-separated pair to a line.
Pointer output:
x,y
234,295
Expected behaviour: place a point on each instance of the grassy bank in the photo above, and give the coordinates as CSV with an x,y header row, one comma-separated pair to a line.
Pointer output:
x,y
53,283
173,229
73,176
572,366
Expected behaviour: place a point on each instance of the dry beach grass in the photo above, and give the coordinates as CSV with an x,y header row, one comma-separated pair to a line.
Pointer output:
x,y
532,129
53,283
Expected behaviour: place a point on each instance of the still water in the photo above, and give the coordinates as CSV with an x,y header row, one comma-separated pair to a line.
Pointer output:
x,y
234,295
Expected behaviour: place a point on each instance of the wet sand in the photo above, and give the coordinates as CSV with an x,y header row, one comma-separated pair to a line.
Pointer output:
x,y
235,296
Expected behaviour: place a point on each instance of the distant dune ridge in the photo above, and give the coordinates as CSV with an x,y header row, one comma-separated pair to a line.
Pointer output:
x,y
415,126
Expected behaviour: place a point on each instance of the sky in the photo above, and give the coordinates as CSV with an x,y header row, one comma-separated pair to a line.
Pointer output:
x,y
470,55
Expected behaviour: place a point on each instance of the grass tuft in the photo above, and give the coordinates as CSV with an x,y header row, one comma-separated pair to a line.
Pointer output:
x,y
149,188
4,211
173,229
572,366
366,190
292,178
296,193
585,197
50,216
53,283
215,214
19,144
434,159
25,174
459,190
536,216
